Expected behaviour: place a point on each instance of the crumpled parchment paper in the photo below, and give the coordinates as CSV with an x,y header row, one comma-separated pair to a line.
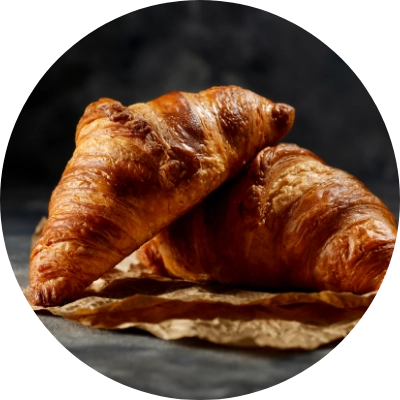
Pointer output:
x,y
131,296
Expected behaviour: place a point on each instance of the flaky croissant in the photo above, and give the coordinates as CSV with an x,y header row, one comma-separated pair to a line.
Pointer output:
x,y
135,170
286,222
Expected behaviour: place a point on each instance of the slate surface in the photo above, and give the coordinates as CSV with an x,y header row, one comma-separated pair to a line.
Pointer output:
x,y
189,368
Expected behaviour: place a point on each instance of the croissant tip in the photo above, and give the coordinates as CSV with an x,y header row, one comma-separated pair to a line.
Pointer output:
x,y
37,296
283,117
41,296
51,293
283,112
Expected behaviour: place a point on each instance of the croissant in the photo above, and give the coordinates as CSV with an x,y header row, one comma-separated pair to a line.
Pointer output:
x,y
286,222
135,170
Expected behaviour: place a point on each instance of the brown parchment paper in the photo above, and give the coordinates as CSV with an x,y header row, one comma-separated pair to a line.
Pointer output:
x,y
131,296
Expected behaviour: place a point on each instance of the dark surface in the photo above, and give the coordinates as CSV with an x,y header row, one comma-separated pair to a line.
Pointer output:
x,y
189,368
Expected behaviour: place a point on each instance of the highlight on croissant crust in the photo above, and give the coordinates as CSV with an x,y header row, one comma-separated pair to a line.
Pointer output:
x,y
135,170
286,222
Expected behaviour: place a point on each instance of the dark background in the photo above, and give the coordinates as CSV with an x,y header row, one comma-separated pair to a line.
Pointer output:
x,y
191,46
188,46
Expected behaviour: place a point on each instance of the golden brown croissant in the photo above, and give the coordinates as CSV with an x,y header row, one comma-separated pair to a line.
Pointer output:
x,y
135,169
286,222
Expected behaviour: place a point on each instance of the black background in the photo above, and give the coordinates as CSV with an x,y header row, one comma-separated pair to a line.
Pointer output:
x,y
191,46
339,121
